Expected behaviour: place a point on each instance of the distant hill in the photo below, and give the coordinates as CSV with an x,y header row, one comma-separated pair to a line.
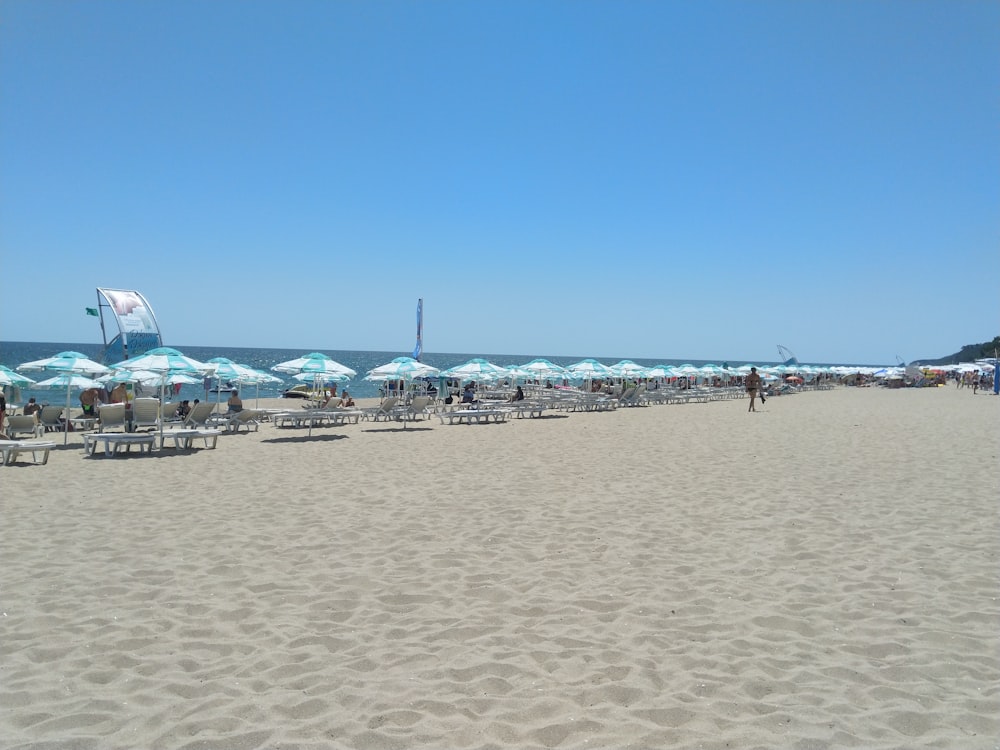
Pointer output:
x,y
968,353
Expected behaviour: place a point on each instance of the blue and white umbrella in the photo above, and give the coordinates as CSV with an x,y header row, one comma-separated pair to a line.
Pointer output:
x,y
543,369
476,369
13,379
626,368
66,363
164,359
589,369
168,362
316,363
401,368
317,366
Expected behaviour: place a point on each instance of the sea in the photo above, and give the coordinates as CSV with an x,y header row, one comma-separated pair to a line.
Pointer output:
x,y
14,353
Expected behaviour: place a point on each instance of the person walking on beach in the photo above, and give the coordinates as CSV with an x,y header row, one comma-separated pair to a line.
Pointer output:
x,y
753,385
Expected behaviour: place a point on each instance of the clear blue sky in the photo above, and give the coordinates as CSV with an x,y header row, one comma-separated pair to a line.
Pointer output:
x,y
698,180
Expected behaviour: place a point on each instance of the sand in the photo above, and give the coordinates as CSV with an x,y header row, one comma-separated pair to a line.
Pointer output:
x,y
821,574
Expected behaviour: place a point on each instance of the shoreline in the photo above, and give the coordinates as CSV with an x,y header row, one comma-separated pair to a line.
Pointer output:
x,y
820,572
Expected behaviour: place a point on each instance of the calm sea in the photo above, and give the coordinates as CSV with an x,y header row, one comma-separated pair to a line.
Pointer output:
x,y
14,353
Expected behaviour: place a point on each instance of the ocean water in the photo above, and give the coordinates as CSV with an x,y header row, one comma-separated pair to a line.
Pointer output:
x,y
14,353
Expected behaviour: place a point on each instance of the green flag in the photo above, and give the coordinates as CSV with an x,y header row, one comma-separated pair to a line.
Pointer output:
x,y
92,311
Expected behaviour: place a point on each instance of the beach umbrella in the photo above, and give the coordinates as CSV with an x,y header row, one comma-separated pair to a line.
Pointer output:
x,y
543,369
225,369
663,372
589,369
401,368
69,381
164,359
14,379
168,362
255,377
65,362
476,369
69,363
626,368
317,363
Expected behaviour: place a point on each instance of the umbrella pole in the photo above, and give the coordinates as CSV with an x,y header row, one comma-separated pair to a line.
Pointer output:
x,y
66,423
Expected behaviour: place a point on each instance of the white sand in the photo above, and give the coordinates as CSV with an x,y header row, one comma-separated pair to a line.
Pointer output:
x,y
822,574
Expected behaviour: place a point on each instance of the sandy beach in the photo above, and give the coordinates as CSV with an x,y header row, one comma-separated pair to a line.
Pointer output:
x,y
820,574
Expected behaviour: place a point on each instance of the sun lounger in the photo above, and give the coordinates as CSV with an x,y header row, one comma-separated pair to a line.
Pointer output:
x,y
11,449
50,418
111,416
248,418
145,414
524,409
23,424
184,439
114,442
470,416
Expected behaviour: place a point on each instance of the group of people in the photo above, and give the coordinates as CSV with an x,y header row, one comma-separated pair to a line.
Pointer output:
x,y
344,401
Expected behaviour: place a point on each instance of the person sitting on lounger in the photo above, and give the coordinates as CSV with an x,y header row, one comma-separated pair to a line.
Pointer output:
x,y
235,403
345,400
32,407
518,395
469,394
184,409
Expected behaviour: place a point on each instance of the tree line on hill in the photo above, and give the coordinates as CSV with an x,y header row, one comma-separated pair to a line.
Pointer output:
x,y
968,353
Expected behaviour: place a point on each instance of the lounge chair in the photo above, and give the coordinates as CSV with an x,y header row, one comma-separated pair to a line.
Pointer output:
x,y
111,417
50,419
382,411
24,424
168,412
244,418
415,410
199,414
11,449
145,413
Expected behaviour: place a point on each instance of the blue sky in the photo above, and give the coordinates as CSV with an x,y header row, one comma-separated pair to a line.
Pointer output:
x,y
698,180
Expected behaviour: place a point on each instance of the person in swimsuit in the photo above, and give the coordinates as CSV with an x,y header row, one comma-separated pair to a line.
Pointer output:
x,y
753,385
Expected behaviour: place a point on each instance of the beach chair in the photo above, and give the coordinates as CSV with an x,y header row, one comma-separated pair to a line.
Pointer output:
x,y
145,414
382,411
168,412
12,449
244,418
50,419
24,424
111,417
199,414
415,410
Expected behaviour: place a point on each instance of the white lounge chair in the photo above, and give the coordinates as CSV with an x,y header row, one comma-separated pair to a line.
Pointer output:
x,y
23,424
145,414
199,414
50,419
382,411
11,449
111,417
244,418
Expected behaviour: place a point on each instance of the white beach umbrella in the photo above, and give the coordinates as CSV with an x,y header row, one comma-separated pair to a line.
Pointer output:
x,y
476,369
256,378
317,363
68,362
626,368
168,362
70,381
13,379
402,368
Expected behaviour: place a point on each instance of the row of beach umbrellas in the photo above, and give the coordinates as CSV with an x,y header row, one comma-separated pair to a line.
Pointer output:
x,y
165,366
